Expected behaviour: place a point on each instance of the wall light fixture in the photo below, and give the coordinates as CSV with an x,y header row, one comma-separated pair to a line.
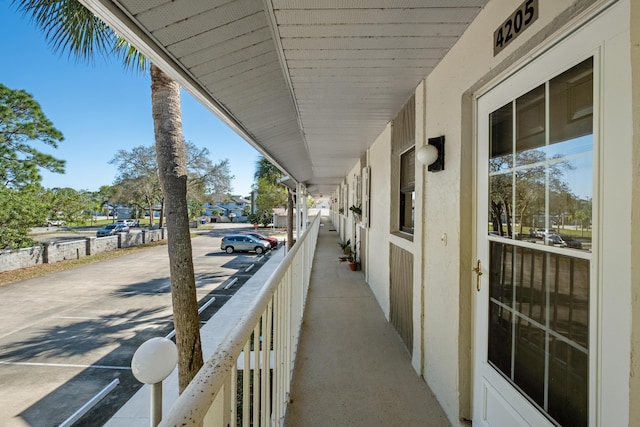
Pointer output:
x,y
432,154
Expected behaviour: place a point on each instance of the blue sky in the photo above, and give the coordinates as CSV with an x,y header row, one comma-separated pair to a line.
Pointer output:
x,y
101,108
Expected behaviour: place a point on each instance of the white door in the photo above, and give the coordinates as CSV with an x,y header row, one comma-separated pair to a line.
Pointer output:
x,y
537,234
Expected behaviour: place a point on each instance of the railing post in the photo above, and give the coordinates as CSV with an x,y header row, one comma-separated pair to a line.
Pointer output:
x,y
152,362
156,404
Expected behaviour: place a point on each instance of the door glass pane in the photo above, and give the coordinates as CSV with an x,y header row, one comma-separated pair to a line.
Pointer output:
x,y
570,155
530,127
501,171
540,191
501,139
530,193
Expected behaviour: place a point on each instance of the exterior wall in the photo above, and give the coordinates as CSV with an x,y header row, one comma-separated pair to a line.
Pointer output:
x,y
350,225
448,196
131,239
378,235
444,236
108,243
21,258
56,252
64,251
634,377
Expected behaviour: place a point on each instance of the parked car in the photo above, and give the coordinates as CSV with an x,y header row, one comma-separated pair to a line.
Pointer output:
x,y
112,229
555,240
272,240
542,232
129,222
243,242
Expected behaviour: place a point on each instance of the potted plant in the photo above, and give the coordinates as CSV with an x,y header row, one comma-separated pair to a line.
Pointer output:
x,y
357,210
352,258
346,250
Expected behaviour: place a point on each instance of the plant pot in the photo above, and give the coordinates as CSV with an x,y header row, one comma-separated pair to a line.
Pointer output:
x,y
353,266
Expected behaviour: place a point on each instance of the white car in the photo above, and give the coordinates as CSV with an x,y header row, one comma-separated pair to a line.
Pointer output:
x,y
128,222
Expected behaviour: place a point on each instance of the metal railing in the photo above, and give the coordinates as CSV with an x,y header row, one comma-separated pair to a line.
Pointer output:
x,y
247,380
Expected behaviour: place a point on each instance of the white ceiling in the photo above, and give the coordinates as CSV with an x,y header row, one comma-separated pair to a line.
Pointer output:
x,y
309,83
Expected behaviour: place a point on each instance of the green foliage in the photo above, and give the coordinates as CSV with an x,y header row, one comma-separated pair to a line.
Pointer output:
x,y
68,205
270,196
267,171
22,122
270,193
264,218
20,210
345,246
194,208
22,200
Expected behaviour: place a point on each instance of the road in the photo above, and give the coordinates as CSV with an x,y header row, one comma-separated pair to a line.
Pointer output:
x,y
67,335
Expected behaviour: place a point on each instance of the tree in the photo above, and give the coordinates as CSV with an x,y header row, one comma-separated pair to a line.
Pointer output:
x,y
69,26
19,211
267,170
137,182
272,194
207,181
68,205
531,185
22,122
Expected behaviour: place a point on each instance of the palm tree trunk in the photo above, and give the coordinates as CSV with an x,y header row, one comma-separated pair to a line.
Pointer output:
x,y
172,170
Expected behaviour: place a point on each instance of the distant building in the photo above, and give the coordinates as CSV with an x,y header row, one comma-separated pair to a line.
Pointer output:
x,y
233,209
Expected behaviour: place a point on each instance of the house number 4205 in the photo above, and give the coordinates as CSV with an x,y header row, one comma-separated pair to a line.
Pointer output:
x,y
519,21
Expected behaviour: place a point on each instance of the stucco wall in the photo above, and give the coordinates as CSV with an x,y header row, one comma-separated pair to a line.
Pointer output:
x,y
378,237
448,195
634,395
444,239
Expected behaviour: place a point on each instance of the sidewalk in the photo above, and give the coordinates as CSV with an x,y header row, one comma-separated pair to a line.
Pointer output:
x,y
352,368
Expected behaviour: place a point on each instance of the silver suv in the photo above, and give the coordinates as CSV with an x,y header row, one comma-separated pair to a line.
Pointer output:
x,y
242,242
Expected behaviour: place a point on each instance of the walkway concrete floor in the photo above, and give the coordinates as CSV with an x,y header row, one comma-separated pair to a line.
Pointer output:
x,y
352,368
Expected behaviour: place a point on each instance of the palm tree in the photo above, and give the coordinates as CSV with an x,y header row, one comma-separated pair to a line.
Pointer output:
x,y
267,170
70,27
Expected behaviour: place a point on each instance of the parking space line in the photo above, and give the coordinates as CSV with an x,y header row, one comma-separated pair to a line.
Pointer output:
x,y
200,310
228,285
109,319
90,404
66,365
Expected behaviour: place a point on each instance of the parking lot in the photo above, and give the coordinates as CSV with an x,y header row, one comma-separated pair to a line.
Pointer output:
x,y
68,335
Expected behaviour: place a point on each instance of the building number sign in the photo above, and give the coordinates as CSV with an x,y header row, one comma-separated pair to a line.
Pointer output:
x,y
519,21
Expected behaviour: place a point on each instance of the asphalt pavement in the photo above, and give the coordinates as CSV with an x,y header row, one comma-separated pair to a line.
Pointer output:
x,y
68,335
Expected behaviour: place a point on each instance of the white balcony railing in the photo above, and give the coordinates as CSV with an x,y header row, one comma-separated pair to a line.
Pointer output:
x,y
233,387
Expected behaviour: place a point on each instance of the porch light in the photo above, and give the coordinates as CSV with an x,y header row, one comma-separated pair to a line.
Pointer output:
x,y
432,154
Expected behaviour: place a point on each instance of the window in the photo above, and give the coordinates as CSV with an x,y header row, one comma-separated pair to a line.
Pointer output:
x,y
407,190
403,139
